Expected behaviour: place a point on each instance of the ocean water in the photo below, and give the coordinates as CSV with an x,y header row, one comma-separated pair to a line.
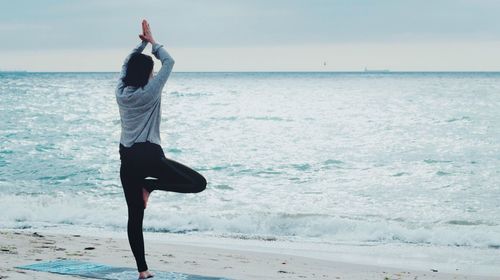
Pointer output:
x,y
351,158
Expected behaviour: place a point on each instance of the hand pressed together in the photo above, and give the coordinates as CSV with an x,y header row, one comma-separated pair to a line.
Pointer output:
x,y
146,32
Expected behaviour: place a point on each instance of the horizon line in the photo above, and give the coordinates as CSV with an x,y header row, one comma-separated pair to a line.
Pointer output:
x,y
278,71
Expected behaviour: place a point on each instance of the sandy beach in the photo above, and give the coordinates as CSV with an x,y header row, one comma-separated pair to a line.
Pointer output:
x,y
22,247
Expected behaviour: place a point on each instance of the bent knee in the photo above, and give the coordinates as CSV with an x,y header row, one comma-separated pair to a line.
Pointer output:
x,y
201,185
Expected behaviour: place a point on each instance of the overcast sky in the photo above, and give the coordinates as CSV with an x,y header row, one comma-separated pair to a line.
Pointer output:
x,y
254,35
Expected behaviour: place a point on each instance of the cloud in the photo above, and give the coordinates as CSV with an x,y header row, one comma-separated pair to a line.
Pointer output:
x,y
48,26
22,27
218,23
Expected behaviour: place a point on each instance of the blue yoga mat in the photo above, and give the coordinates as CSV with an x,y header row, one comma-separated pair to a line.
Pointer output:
x,y
101,271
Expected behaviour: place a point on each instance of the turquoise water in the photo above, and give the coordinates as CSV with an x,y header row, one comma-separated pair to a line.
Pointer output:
x,y
409,158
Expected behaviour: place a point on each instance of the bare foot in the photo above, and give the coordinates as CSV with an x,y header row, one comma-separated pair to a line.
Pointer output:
x,y
145,274
145,197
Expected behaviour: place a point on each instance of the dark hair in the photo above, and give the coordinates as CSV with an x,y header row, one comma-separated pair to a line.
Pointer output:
x,y
139,68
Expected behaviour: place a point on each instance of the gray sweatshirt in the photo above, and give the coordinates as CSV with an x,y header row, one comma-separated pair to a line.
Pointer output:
x,y
140,108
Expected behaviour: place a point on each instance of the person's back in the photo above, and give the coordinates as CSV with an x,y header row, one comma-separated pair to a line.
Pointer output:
x,y
139,96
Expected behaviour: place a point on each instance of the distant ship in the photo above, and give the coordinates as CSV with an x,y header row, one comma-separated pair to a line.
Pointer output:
x,y
376,70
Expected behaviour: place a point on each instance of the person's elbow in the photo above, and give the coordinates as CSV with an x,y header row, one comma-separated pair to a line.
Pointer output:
x,y
169,61
168,64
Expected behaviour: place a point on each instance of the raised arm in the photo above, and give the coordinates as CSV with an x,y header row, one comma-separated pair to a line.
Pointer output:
x,y
167,62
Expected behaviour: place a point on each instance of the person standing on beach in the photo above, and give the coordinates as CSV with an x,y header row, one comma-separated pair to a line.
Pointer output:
x,y
144,167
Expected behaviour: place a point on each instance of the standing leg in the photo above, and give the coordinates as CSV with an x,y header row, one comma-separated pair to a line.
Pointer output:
x,y
133,195
176,177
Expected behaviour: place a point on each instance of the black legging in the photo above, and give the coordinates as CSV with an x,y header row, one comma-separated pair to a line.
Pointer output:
x,y
148,160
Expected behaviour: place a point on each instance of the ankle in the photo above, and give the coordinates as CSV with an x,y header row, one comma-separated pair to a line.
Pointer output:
x,y
145,274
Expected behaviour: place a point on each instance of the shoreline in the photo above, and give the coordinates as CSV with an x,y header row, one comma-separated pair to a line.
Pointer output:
x,y
198,255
